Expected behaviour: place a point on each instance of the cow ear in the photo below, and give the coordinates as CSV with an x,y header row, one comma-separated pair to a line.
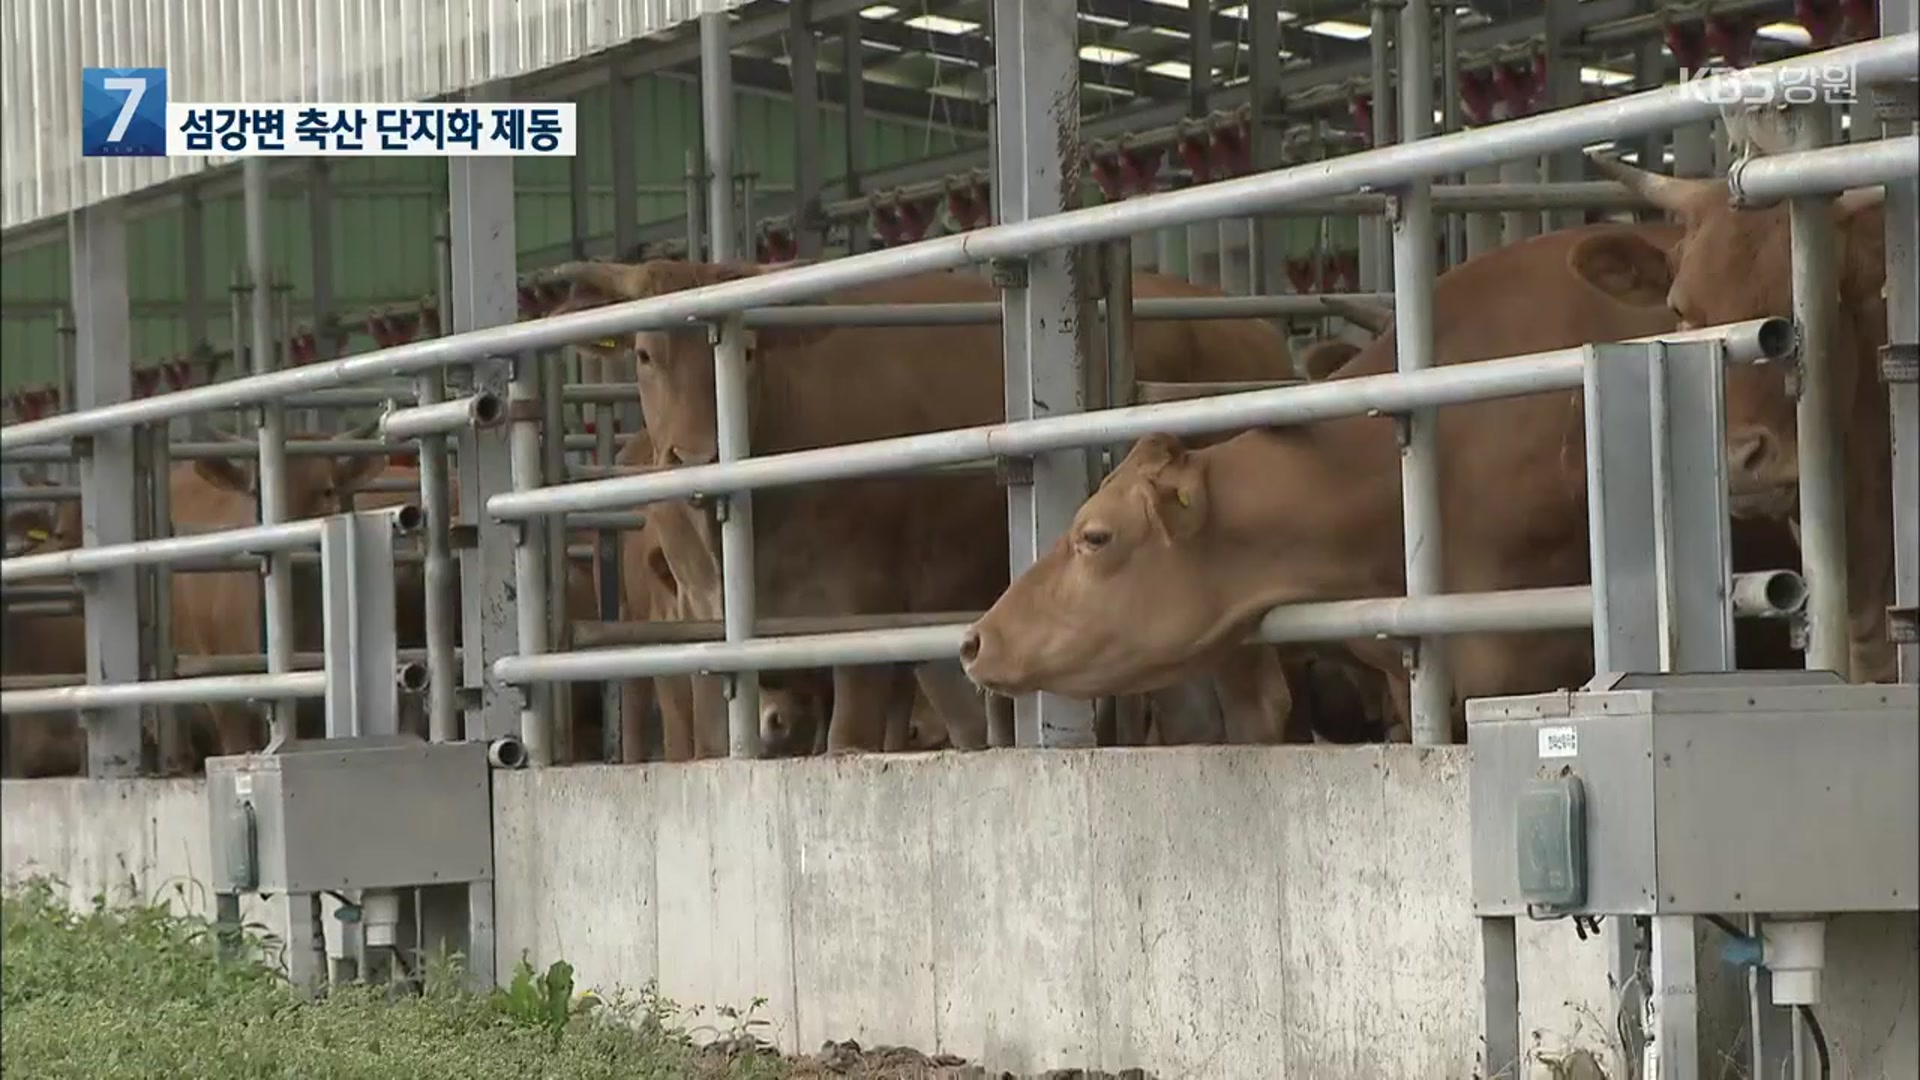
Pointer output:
x,y
1625,266
1176,491
225,474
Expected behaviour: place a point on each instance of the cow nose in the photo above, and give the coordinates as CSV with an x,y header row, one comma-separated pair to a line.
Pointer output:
x,y
970,646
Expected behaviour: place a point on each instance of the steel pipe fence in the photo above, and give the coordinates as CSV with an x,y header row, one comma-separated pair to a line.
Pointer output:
x,y
1872,61
346,572
1383,168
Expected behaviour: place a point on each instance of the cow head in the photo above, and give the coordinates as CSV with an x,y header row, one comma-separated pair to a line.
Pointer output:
x,y
316,485
1733,265
674,368
1125,601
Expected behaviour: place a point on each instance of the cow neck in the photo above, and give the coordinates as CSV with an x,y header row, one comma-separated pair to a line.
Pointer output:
x,y
1306,513
1862,315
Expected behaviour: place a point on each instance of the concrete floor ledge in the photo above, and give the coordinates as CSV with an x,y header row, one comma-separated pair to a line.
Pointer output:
x,y
1217,912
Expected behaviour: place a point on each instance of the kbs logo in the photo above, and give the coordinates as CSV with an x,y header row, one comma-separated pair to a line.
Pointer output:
x,y
123,112
1827,84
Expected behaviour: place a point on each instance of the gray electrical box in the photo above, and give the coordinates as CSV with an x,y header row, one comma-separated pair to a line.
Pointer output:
x,y
364,813
1697,794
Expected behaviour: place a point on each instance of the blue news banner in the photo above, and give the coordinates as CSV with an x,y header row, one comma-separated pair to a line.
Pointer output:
x,y
125,113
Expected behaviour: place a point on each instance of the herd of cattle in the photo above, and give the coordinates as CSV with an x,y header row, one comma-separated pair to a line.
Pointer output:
x,y
1150,594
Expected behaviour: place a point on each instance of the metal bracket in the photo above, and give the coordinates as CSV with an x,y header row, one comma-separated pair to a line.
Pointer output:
x,y
1013,471
1896,103
463,537
1008,273
1797,631
524,410
1402,431
717,506
1903,625
1900,362
1396,206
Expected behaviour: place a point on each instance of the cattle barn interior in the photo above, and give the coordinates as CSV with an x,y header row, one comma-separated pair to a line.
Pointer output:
x,y
1300,538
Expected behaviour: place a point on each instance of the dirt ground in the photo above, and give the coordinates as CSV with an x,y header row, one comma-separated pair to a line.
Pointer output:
x,y
849,1059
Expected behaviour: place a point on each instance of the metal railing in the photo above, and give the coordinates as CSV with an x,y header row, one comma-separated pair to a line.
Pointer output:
x,y
1391,168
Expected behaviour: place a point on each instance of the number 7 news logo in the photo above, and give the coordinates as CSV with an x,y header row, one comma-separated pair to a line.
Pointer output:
x,y
123,112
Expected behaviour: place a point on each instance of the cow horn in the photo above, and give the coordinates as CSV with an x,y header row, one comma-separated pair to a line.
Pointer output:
x,y
1665,192
1854,200
1371,317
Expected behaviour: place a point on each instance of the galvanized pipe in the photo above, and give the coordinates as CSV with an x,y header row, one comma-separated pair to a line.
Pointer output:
x,y
1615,118
1560,369
1506,611
272,478
1822,460
553,469
737,585
1413,273
254,540
442,418
213,689
529,554
442,601
1761,180
168,733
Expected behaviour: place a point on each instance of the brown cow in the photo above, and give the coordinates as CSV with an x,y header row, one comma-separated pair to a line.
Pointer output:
x,y
219,613
1735,265
926,543
1209,539
43,744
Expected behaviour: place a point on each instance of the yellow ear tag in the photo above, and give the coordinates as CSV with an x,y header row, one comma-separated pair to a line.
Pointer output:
x,y
609,343
1185,499
37,535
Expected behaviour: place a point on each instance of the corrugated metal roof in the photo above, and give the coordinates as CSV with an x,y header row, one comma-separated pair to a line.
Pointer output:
x,y
261,50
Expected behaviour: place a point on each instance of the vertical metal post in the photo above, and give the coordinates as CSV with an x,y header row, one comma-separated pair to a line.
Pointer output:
x,y
320,227
730,382
481,233
1037,100
552,435
170,737
273,448
1903,329
193,258
697,180
749,224
1500,997
852,65
626,166
1823,522
357,598
1413,271
1267,253
1632,572
803,63
1650,70
1376,243
1202,238
1563,89
1455,225
601,418
103,375
442,602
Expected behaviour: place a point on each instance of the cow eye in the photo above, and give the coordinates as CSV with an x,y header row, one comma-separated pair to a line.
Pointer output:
x,y
1095,537
643,356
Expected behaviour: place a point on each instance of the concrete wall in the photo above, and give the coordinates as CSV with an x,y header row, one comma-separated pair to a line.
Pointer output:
x,y
1244,912
1204,912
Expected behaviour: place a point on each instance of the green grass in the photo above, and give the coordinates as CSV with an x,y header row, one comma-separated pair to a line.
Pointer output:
x,y
132,990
